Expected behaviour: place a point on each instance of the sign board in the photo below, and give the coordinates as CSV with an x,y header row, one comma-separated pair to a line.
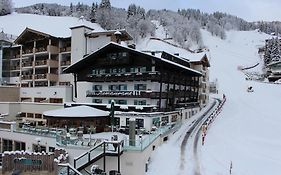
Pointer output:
x,y
26,161
113,93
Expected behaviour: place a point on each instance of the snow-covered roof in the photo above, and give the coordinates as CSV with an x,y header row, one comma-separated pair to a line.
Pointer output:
x,y
56,26
79,63
153,44
77,111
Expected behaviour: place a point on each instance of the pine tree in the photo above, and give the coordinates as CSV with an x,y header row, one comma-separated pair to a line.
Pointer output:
x,y
71,8
5,7
105,4
132,10
93,12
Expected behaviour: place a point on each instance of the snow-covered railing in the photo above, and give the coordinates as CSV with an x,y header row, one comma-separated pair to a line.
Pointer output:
x,y
211,118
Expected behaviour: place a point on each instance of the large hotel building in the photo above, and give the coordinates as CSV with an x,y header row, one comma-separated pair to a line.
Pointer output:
x,y
47,80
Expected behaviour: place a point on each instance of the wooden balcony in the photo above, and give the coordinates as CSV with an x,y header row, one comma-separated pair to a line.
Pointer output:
x,y
15,68
40,49
27,64
51,63
65,49
28,51
65,63
52,77
27,77
40,76
53,49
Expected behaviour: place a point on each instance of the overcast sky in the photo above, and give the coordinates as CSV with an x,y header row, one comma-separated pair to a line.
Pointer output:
x,y
250,10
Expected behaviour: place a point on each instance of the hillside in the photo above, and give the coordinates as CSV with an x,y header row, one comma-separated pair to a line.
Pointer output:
x,y
246,131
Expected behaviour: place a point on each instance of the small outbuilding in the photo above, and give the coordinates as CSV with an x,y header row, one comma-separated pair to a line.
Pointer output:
x,y
78,116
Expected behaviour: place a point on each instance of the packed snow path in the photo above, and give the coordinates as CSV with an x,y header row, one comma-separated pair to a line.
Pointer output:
x,y
195,128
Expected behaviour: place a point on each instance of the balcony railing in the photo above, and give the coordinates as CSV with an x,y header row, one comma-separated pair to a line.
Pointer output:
x,y
51,63
40,49
26,77
27,64
52,49
27,51
40,62
52,77
65,49
15,67
65,63
40,76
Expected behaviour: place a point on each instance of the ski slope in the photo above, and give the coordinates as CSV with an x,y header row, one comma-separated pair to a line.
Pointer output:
x,y
246,132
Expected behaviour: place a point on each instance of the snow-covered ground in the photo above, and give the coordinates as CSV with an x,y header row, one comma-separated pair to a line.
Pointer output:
x,y
246,132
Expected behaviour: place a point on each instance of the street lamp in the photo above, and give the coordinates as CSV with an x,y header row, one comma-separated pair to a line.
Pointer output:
x,y
38,140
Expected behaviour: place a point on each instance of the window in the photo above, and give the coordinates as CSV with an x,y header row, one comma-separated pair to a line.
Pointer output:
x,y
120,87
121,102
174,118
123,87
19,146
140,87
113,87
139,102
165,120
117,121
139,123
51,149
142,69
29,115
97,87
7,145
97,100
38,116
56,100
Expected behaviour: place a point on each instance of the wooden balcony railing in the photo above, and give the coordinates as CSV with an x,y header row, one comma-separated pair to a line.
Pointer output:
x,y
26,77
65,63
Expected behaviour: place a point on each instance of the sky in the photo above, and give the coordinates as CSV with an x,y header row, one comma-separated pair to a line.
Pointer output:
x,y
250,10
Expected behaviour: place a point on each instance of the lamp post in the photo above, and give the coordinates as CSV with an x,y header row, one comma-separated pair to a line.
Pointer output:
x,y
111,114
38,140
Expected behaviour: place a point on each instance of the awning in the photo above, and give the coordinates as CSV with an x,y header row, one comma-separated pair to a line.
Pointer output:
x,y
77,111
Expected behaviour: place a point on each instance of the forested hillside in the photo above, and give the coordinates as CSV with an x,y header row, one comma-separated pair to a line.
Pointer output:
x,y
183,26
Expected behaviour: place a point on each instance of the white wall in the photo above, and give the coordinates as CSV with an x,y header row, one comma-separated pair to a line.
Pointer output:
x,y
14,80
82,88
78,43
94,44
64,92
1,55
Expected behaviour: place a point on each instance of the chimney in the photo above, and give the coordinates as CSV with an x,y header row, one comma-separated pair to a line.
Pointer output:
x,y
176,54
153,53
118,35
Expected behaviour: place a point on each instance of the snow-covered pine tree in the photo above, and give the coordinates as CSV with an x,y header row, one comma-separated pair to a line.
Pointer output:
x,y
132,10
93,12
5,7
105,4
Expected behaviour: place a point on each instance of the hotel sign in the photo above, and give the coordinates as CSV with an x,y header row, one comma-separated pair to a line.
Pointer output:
x,y
113,93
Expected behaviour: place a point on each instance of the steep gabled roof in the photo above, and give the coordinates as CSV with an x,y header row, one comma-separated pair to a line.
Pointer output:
x,y
27,30
88,59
